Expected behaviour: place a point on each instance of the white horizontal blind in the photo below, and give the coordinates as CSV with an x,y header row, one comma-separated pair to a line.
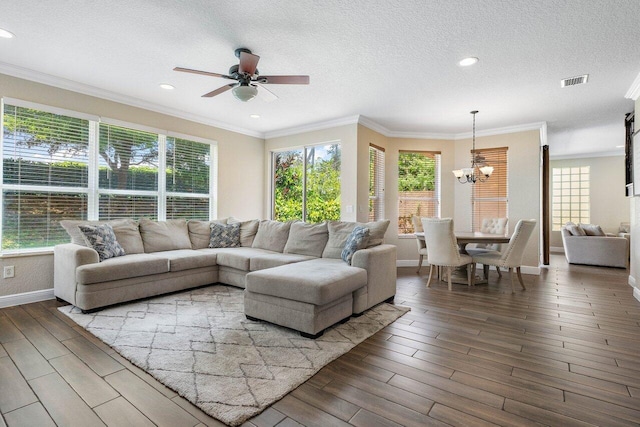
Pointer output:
x,y
490,199
418,187
376,183
44,176
127,173
187,180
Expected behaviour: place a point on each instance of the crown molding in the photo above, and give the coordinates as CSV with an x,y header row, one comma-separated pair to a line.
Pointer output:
x,y
501,131
62,83
587,155
349,120
366,122
634,90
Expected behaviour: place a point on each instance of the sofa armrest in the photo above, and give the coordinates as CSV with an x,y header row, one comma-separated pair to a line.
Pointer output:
x,y
66,259
380,263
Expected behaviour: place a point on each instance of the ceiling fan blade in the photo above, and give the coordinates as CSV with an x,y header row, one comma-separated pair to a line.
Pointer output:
x,y
218,91
248,63
284,80
204,73
265,94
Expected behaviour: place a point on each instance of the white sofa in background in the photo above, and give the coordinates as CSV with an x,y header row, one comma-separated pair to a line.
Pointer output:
x,y
293,273
604,250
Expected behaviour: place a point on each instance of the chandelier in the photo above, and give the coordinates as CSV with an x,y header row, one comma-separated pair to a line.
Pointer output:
x,y
478,171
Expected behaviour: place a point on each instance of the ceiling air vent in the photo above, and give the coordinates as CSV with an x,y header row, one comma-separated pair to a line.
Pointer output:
x,y
572,81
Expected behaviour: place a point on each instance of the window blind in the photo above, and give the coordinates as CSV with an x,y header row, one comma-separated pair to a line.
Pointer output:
x,y
44,178
113,206
187,179
489,199
418,187
376,183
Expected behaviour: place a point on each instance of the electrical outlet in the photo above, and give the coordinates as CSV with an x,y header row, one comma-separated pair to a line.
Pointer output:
x,y
9,271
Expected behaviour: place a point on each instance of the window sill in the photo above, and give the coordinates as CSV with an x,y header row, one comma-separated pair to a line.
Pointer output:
x,y
26,253
406,236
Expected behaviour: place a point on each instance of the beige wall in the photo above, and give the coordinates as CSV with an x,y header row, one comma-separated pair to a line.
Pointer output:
x,y
609,205
524,180
240,166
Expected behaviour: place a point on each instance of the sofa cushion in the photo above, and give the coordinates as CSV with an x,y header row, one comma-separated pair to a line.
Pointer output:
x,y
200,232
260,262
358,239
318,281
167,235
592,229
248,230
377,230
307,239
574,229
123,267
339,232
238,258
126,230
272,235
225,235
103,240
187,259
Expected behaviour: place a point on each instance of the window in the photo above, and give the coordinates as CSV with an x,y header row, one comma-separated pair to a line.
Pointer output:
x,y
570,196
418,187
48,175
306,183
376,183
489,199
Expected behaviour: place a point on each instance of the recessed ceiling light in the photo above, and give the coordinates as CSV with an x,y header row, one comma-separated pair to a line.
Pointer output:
x,y
619,146
6,34
468,61
255,116
166,86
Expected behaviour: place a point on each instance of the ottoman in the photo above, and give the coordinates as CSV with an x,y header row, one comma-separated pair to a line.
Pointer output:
x,y
307,296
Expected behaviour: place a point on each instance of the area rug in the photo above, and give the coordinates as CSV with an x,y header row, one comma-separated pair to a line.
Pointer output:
x,y
200,344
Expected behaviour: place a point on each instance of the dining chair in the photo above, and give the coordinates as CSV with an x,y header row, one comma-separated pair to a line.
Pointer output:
x,y
422,247
511,256
442,249
491,226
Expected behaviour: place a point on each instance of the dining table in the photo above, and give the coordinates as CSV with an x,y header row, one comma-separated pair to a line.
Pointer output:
x,y
463,238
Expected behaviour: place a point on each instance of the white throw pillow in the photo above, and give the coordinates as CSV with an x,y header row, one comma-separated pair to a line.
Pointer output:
x,y
592,229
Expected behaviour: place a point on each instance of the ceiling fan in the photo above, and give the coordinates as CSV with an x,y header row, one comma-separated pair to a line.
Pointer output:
x,y
249,82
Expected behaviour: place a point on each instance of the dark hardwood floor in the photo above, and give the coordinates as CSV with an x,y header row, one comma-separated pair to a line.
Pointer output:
x,y
564,352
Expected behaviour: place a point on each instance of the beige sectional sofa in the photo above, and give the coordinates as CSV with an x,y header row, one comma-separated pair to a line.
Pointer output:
x,y
601,250
292,272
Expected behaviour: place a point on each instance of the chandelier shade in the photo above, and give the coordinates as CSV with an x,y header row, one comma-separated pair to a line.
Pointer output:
x,y
478,171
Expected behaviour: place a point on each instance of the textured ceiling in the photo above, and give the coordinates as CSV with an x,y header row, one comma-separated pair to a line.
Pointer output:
x,y
392,62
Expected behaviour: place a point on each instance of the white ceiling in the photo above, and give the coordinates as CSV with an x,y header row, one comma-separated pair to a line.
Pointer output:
x,y
391,62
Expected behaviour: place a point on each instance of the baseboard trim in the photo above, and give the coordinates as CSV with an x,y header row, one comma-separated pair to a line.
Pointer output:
x,y
556,249
26,298
636,293
414,263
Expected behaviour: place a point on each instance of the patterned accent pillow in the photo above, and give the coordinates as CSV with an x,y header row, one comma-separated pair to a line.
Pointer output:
x,y
103,240
358,239
224,235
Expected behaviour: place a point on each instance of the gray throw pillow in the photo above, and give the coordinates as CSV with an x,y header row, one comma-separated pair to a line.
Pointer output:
x,y
200,232
592,229
358,239
377,230
167,235
575,230
272,235
103,240
248,230
307,239
224,235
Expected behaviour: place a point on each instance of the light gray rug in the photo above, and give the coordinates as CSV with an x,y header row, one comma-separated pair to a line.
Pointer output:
x,y
200,344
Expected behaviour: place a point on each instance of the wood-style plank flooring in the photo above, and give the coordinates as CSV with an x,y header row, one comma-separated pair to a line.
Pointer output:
x,y
565,352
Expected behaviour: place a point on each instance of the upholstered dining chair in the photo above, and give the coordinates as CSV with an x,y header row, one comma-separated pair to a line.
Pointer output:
x,y
491,226
442,249
422,247
511,256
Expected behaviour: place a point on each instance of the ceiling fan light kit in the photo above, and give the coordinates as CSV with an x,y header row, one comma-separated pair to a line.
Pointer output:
x,y
469,175
249,81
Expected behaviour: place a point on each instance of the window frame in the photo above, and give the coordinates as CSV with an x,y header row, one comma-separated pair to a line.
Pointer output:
x,y
476,218
93,190
437,156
